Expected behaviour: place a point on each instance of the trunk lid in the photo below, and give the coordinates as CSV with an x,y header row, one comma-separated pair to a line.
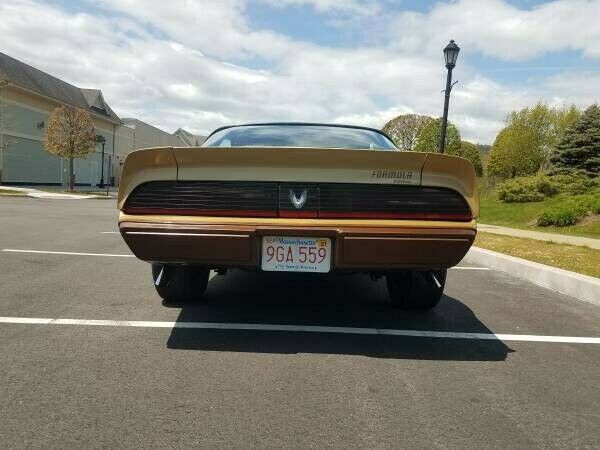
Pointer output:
x,y
303,165
299,165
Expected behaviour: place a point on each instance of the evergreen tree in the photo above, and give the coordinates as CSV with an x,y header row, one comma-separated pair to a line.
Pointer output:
x,y
579,149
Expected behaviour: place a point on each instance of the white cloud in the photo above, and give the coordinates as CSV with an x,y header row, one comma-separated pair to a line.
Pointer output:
x,y
580,88
172,64
217,28
360,7
503,31
374,119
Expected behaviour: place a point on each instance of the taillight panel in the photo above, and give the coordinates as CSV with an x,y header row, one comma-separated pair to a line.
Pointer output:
x,y
297,200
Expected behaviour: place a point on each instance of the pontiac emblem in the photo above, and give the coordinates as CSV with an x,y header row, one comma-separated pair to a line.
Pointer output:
x,y
298,200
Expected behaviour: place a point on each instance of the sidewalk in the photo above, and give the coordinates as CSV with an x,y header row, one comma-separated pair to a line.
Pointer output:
x,y
541,236
55,195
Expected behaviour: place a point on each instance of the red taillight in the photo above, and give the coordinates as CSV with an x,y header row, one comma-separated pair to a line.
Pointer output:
x,y
299,214
394,216
201,212
319,201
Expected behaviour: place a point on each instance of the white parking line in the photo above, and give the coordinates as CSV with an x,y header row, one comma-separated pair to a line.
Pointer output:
x,y
303,329
12,250
110,232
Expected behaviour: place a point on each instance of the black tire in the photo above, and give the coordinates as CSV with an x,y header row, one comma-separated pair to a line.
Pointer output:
x,y
416,289
180,284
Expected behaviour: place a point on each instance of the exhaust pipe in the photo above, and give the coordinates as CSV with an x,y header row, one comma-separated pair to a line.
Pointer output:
x,y
435,280
160,276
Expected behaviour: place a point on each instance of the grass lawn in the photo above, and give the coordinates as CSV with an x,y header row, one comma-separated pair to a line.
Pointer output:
x,y
524,215
583,260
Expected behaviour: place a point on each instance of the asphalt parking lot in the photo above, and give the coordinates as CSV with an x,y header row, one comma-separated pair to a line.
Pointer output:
x,y
272,360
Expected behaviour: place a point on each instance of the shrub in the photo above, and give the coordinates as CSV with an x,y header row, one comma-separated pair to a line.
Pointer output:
x,y
520,190
586,203
523,197
561,217
546,185
538,187
575,182
571,211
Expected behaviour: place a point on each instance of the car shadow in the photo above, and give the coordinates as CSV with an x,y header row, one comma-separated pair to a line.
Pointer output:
x,y
319,300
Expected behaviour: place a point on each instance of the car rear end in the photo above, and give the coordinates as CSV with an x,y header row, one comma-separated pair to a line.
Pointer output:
x,y
298,209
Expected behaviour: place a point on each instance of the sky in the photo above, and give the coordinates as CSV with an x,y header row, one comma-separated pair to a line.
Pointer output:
x,y
203,64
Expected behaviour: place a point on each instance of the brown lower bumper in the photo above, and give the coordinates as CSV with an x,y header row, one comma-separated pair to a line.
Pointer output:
x,y
354,248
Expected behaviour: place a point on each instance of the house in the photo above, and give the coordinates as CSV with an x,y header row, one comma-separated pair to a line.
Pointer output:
x,y
27,98
188,139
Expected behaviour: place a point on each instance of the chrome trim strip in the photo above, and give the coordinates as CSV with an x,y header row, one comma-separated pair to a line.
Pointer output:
x,y
157,233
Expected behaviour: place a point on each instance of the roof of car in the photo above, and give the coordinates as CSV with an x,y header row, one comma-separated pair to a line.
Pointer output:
x,y
336,125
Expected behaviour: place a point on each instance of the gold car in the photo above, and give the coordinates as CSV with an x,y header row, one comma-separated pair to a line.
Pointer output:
x,y
302,198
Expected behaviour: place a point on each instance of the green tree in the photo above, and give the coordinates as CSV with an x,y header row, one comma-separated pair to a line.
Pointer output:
x,y
471,152
499,162
70,134
579,147
428,139
405,129
565,118
525,145
509,155
484,152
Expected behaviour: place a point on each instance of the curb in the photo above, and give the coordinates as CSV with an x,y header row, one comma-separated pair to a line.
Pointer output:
x,y
582,287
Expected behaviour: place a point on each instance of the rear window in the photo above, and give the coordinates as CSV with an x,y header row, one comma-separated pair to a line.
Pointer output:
x,y
323,136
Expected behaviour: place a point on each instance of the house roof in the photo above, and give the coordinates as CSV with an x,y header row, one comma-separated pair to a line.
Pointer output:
x,y
96,102
133,122
189,138
30,78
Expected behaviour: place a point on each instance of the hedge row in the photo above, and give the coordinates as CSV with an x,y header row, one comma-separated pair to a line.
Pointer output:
x,y
537,188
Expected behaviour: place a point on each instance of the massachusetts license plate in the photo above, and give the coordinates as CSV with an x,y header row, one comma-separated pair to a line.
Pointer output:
x,y
296,254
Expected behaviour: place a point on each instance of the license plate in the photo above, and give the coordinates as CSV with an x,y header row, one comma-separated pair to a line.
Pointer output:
x,y
296,254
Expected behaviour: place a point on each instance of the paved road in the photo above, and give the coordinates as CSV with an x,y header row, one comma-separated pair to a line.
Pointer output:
x,y
122,386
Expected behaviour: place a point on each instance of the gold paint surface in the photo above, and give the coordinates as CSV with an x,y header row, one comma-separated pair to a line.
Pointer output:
x,y
141,166
283,222
300,165
454,173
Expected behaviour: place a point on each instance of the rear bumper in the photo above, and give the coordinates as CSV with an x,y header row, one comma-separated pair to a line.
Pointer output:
x,y
354,247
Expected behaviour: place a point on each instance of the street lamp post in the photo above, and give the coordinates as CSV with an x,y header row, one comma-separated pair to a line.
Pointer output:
x,y
450,55
101,140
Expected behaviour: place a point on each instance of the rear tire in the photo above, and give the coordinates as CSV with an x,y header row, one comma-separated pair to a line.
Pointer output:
x,y
416,289
179,284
